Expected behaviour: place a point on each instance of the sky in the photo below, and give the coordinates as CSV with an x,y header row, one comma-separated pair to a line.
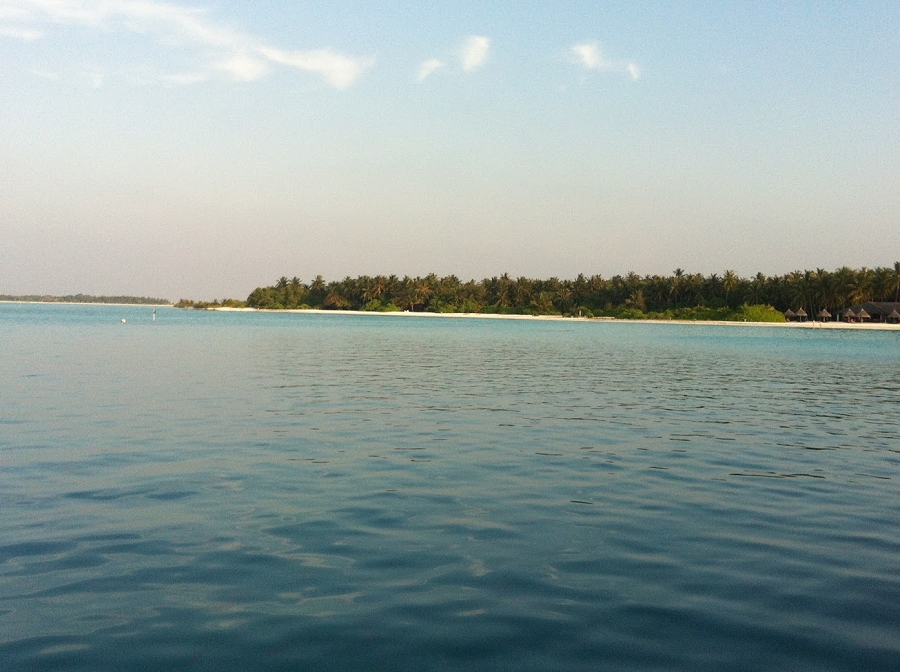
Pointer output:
x,y
202,149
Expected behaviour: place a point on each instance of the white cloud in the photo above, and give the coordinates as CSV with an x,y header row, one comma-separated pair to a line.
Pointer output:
x,y
44,74
239,56
475,52
24,34
10,13
590,56
340,71
244,68
428,68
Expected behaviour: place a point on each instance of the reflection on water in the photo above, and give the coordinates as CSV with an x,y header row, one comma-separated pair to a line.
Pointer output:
x,y
227,491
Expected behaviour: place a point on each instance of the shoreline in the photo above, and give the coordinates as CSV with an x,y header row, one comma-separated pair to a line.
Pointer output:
x,y
864,326
877,326
90,303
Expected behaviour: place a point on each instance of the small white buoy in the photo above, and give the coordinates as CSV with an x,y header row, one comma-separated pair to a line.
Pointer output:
x,y
123,320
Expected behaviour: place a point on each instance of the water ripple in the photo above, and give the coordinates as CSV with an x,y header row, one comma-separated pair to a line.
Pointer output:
x,y
294,492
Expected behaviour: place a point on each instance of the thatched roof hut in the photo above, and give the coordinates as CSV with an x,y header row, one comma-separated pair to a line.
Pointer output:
x,y
849,314
790,314
876,311
801,315
824,315
894,316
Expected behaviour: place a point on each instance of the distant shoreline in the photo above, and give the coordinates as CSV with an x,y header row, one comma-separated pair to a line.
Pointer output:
x,y
90,303
558,318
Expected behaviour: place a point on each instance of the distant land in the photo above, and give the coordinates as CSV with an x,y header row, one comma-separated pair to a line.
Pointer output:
x,y
818,294
86,298
681,296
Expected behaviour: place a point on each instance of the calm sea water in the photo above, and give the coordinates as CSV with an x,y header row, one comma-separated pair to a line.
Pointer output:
x,y
224,491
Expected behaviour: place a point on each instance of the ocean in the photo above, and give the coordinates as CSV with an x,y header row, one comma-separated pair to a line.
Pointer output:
x,y
267,491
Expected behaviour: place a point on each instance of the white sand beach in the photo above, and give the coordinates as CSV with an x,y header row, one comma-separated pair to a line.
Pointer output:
x,y
559,318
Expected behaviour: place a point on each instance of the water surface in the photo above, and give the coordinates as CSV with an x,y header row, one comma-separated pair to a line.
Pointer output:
x,y
232,491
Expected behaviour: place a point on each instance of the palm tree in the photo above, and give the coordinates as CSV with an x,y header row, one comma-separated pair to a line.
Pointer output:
x,y
523,292
694,283
843,280
335,299
676,287
757,290
564,297
862,285
730,282
802,293
317,291
373,289
579,289
637,300
392,287
882,283
827,289
713,286
895,280
542,303
657,291
294,293
596,291
414,292
504,284
423,289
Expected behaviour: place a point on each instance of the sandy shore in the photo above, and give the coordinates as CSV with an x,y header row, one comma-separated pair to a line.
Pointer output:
x,y
558,318
492,316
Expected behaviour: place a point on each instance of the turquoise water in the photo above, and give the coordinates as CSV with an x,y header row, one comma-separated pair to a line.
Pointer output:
x,y
229,491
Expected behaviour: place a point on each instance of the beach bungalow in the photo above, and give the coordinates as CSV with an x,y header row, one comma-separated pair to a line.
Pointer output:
x,y
874,311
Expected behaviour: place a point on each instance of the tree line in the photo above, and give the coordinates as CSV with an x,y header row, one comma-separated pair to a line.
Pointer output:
x,y
85,298
678,296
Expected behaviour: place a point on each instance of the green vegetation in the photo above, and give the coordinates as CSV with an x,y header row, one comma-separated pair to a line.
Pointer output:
x,y
203,305
681,296
86,298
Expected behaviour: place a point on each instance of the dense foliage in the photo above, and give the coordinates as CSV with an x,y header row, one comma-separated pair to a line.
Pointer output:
x,y
204,305
678,296
86,298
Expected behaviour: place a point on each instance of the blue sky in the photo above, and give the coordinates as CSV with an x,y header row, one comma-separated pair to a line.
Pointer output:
x,y
200,150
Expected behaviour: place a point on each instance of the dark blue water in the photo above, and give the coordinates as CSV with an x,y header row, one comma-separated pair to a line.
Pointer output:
x,y
218,491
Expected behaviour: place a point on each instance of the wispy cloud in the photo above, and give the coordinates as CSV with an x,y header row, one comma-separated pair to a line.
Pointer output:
x,y
243,67
341,71
24,34
428,68
475,52
590,56
8,12
217,49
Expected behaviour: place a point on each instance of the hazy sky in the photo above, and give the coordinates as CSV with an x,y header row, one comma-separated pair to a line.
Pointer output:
x,y
201,150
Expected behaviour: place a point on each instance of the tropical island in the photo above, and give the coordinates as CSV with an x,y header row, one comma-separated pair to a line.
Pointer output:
x,y
86,298
680,296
